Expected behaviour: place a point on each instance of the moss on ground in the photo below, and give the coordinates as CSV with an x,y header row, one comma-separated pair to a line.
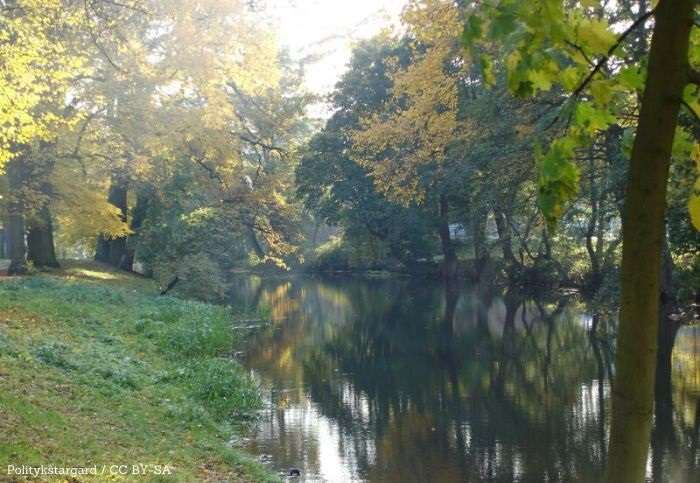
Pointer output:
x,y
97,369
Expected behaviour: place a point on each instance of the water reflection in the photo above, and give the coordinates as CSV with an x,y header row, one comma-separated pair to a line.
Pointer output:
x,y
400,381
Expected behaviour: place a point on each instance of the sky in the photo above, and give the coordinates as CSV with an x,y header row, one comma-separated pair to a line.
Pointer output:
x,y
328,28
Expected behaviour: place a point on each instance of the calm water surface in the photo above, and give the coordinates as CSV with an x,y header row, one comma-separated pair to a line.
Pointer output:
x,y
407,381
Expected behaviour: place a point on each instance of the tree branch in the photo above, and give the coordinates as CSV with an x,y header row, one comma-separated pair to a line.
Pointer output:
x,y
691,110
603,61
134,7
581,51
211,171
95,41
262,144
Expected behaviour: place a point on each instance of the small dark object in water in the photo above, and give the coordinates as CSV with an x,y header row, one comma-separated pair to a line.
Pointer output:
x,y
294,472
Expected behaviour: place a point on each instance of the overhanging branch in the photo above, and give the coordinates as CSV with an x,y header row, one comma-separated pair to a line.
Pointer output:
x,y
603,61
691,110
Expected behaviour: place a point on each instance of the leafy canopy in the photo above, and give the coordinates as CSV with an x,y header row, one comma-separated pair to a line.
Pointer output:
x,y
590,54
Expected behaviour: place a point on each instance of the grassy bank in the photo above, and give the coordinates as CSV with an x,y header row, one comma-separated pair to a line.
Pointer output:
x,y
97,369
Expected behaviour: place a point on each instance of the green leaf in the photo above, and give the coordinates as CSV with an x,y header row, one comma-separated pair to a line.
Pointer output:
x,y
591,118
504,22
694,200
472,30
595,36
540,79
692,98
558,179
487,70
694,207
602,91
632,78
570,78
683,144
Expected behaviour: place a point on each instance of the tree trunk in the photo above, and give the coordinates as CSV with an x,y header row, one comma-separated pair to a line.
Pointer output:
x,y
113,251
40,244
118,253
504,238
3,237
481,254
643,234
253,238
15,244
449,267
592,230
102,249
662,436
138,216
16,249
668,328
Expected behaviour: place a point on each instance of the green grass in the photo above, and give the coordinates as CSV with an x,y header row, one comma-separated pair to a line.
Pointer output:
x,y
97,369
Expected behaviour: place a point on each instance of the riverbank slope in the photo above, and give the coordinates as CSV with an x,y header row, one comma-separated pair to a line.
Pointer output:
x,y
97,371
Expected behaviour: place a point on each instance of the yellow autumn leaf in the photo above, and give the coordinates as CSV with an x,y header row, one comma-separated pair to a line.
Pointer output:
x,y
694,208
595,36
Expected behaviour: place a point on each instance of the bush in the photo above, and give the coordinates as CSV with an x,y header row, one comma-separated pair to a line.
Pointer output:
x,y
331,256
198,276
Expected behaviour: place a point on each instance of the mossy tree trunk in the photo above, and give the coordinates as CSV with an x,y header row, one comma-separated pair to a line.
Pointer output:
x,y
643,235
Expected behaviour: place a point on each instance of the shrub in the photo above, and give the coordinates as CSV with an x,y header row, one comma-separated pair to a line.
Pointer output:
x,y
198,276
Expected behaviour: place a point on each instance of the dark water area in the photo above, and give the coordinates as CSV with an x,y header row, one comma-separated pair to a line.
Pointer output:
x,y
410,381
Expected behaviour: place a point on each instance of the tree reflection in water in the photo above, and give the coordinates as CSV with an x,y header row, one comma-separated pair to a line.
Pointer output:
x,y
402,381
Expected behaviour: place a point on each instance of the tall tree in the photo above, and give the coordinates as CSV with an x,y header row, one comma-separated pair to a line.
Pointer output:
x,y
341,191
643,234
598,75
405,144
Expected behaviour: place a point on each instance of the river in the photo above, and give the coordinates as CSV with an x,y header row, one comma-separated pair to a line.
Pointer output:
x,y
397,380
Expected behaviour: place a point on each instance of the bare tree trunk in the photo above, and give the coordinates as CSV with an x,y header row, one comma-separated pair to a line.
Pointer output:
x,y
643,235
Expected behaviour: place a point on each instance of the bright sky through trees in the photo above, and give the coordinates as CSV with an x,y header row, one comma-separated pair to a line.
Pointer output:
x,y
328,29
